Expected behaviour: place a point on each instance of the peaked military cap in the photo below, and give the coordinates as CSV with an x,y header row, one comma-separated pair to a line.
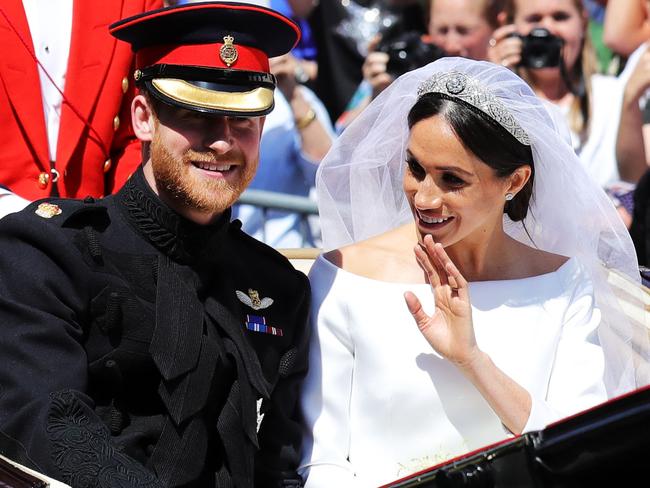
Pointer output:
x,y
210,57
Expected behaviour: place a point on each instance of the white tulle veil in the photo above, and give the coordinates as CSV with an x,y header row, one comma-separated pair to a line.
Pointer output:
x,y
359,186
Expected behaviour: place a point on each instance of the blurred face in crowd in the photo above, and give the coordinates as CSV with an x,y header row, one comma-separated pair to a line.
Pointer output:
x,y
460,27
201,164
563,18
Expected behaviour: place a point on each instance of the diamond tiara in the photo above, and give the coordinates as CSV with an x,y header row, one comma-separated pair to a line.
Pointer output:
x,y
458,85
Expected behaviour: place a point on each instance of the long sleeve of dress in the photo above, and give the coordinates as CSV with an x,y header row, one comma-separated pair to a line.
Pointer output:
x,y
327,391
576,381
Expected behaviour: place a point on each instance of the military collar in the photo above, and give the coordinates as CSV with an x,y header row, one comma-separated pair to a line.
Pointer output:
x,y
179,238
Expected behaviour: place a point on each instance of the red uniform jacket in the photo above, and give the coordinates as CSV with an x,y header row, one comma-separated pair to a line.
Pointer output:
x,y
99,87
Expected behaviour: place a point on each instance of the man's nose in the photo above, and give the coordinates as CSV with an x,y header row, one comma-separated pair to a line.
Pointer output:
x,y
219,136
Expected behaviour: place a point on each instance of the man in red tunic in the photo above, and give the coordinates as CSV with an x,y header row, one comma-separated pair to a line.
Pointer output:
x,y
66,126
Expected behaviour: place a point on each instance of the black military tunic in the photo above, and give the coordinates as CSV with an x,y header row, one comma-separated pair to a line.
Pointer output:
x,y
140,349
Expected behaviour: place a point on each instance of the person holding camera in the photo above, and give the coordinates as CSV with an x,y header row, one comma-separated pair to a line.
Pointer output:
x,y
547,43
456,28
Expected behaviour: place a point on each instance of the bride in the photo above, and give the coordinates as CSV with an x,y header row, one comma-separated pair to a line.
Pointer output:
x,y
463,299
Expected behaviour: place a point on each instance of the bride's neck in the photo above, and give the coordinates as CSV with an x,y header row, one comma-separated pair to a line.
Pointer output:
x,y
488,259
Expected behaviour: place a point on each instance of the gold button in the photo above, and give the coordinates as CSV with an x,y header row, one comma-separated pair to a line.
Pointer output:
x,y
107,165
43,179
116,122
137,75
125,84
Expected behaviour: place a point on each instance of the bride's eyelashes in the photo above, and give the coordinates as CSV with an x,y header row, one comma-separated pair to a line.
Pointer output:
x,y
415,168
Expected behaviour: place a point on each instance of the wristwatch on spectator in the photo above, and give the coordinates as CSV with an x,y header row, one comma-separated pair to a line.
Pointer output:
x,y
306,119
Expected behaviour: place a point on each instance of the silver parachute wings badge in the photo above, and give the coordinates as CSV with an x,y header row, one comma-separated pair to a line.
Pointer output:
x,y
253,300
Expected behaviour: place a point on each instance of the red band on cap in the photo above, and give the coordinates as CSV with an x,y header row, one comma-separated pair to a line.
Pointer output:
x,y
248,58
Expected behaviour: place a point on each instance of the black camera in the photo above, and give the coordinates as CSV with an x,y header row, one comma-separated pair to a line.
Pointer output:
x,y
407,51
541,49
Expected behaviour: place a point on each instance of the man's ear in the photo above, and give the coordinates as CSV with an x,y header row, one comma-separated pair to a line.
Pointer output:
x,y
142,118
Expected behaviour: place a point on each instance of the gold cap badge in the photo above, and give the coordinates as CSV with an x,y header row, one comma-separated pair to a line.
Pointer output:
x,y
228,52
253,300
48,210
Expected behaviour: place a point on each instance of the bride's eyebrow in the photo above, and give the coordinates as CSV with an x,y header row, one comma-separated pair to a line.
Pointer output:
x,y
455,169
413,160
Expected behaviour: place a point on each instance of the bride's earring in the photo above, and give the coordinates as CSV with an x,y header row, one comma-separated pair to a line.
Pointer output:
x,y
509,196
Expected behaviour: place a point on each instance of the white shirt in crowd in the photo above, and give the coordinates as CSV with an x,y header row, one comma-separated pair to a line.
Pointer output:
x,y
50,26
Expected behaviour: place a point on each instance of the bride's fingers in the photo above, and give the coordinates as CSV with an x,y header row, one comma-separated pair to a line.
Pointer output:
x,y
430,247
441,265
450,267
415,307
456,279
452,281
437,262
426,263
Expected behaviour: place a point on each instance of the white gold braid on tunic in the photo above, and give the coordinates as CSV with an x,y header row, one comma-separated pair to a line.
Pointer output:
x,y
460,86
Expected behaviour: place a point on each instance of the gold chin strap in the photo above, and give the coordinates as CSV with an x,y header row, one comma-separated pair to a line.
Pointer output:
x,y
182,91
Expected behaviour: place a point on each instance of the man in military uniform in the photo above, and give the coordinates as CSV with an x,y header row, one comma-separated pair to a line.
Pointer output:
x,y
145,339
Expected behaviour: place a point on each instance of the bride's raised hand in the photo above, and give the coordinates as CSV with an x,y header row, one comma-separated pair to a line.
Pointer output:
x,y
449,330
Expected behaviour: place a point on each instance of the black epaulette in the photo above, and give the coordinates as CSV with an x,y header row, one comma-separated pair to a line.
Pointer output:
x,y
52,211
259,247
88,212
63,212
89,216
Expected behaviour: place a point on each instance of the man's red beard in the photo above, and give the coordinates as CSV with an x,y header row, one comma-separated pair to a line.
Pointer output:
x,y
179,182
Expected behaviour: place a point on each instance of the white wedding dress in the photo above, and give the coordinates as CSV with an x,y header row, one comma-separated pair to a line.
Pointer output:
x,y
380,403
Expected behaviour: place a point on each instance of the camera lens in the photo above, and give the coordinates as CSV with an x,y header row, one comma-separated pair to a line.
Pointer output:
x,y
407,52
541,49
